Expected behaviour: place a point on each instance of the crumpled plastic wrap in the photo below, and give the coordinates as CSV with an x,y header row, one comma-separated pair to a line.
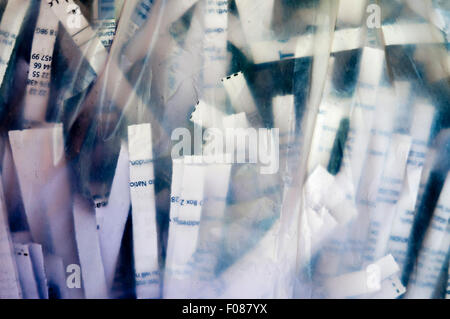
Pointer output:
x,y
224,149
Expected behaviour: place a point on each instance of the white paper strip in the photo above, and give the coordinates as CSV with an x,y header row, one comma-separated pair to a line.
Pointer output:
x,y
184,227
38,84
142,191
175,195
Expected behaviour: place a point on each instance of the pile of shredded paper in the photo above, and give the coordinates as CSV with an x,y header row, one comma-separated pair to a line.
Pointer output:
x,y
224,148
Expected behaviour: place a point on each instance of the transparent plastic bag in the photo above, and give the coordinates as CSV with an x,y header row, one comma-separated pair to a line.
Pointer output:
x,y
224,149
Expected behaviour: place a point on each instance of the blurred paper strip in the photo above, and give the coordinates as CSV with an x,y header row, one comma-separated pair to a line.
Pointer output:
x,y
93,274
111,219
215,62
241,98
303,46
256,273
12,20
423,114
447,295
331,111
256,18
283,111
70,16
104,19
388,193
433,253
132,43
46,192
347,39
176,9
391,288
351,11
26,272
37,258
56,277
207,116
361,118
402,34
362,282
9,276
211,231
